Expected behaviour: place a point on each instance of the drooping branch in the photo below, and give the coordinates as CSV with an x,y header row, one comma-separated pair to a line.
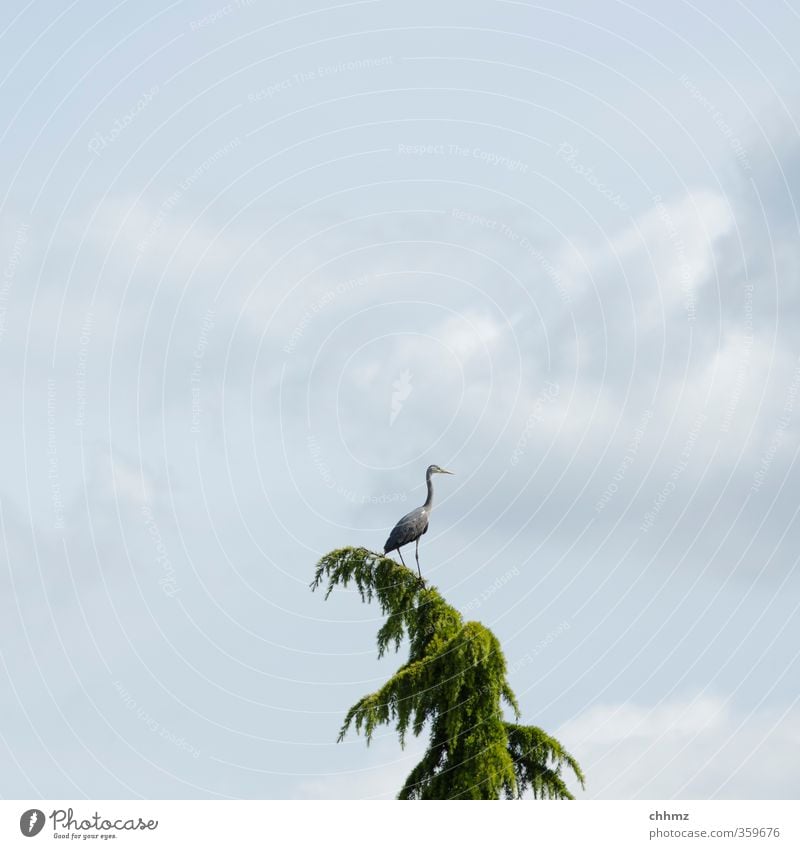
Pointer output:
x,y
538,762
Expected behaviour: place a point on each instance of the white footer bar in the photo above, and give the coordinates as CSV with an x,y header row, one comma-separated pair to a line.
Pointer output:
x,y
744,824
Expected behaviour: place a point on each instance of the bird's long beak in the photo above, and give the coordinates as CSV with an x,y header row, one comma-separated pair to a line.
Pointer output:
x,y
445,472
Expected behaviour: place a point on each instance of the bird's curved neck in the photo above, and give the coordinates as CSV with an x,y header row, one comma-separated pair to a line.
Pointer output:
x,y
429,499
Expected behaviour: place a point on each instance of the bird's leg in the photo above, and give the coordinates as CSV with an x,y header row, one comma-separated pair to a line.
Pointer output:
x,y
418,569
401,558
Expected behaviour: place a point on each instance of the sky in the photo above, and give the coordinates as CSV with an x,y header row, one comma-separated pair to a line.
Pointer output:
x,y
262,265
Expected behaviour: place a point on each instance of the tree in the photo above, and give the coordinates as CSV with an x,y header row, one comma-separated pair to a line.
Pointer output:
x,y
454,681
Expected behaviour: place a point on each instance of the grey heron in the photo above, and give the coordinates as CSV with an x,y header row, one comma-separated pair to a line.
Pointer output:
x,y
414,524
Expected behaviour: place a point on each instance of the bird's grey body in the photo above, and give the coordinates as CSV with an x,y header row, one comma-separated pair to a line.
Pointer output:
x,y
414,524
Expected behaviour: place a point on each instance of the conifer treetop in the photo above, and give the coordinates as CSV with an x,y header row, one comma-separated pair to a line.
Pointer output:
x,y
454,682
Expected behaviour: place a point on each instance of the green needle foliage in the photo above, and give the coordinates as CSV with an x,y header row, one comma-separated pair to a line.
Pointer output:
x,y
454,681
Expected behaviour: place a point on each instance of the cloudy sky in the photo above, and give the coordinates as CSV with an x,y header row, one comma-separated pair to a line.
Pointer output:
x,y
262,264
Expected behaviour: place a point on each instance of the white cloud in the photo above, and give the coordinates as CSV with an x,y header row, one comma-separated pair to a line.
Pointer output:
x,y
157,233
469,334
659,261
701,747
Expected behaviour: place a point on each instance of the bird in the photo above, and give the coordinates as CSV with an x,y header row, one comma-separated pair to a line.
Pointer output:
x,y
414,524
